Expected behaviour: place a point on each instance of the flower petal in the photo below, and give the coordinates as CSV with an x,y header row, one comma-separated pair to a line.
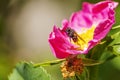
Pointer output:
x,y
94,19
105,14
60,45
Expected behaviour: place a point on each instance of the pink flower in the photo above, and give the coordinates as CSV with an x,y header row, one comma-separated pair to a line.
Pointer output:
x,y
84,29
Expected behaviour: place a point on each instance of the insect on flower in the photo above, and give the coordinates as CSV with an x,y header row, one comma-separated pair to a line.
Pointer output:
x,y
84,30
73,35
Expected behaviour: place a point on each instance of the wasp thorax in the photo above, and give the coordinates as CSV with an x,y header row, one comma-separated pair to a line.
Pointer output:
x,y
72,34
71,67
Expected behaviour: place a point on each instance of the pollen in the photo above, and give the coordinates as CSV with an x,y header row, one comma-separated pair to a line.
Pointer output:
x,y
71,67
85,37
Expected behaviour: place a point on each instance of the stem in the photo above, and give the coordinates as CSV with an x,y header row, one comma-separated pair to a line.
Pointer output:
x,y
93,71
94,64
78,76
49,63
87,74
54,62
91,62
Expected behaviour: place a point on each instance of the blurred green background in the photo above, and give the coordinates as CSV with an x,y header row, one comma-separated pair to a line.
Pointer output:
x,y
24,29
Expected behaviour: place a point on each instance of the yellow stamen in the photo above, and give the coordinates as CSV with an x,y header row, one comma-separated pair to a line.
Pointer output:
x,y
84,38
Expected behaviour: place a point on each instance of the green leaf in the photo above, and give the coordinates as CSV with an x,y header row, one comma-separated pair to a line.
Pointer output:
x,y
15,76
26,71
114,30
116,50
115,45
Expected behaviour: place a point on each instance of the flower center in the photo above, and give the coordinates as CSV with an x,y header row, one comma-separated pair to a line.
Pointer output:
x,y
86,36
81,39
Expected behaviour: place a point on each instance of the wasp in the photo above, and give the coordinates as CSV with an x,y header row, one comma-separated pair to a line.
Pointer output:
x,y
73,35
